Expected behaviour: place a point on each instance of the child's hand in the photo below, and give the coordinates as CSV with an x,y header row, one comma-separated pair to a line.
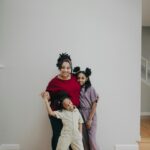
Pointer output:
x,y
42,94
88,124
45,95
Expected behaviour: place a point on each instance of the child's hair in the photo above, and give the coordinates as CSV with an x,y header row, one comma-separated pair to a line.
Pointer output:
x,y
61,96
64,57
87,73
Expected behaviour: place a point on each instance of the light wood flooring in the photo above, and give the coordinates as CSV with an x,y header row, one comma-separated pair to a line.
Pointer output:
x,y
145,134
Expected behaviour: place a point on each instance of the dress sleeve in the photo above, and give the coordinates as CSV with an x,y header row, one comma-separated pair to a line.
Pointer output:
x,y
93,95
59,114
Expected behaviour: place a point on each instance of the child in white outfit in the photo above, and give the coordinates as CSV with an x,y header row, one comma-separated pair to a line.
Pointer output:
x,y
71,133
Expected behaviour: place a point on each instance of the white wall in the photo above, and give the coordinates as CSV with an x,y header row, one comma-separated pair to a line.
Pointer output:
x,y
104,35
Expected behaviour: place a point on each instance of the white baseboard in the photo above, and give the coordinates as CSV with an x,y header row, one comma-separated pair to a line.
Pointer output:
x,y
139,139
127,147
145,113
9,147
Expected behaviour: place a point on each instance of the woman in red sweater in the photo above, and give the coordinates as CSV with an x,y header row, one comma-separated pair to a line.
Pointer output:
x,y
64,81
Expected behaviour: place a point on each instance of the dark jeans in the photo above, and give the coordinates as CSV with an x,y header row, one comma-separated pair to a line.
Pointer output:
x,y
56,127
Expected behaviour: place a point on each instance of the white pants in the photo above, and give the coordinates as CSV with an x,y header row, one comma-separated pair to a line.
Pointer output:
x,y
69,139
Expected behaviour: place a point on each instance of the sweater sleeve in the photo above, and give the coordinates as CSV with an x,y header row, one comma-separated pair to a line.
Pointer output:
x,y
51,86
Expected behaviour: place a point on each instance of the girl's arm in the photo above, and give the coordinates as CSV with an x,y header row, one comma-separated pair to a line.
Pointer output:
x,y
80,123
46,98
80,127
93,110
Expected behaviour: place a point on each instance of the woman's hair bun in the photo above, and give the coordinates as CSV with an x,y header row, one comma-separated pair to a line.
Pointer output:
x,y
61,58
88,72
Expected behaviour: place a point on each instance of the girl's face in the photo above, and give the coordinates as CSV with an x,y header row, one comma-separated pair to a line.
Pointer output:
x,y
81,78
65,70
67,104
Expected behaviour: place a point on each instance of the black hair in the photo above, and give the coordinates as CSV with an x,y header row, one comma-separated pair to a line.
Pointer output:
x,y
61,96
87,73
63,57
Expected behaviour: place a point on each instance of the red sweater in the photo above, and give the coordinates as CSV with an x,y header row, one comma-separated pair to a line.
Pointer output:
x,y
71,87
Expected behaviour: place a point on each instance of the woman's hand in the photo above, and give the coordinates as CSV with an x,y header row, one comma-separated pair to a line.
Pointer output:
x,y
89,123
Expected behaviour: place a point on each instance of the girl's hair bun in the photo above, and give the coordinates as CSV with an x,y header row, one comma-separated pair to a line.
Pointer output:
x,y
76,70
88,72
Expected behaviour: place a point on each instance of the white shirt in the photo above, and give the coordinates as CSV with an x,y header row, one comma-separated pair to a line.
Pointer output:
x,y
70,120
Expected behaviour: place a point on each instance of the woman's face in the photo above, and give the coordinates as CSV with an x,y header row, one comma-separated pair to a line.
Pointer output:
x,y
67,104
81,78
65,70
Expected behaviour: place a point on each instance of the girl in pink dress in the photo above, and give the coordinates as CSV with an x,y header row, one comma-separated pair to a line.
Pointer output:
x,y
88,103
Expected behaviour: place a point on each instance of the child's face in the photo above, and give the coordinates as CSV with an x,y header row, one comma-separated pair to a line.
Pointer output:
x,y
82,78
67,104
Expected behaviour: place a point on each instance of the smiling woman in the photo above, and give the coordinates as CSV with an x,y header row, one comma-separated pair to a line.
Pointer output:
x,y
64,81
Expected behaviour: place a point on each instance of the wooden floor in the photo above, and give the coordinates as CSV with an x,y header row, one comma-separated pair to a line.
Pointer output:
x,y
145,134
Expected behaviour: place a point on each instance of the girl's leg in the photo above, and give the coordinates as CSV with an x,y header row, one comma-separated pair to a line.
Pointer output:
x,y
77,143
56,127
63,142
85,137
92,136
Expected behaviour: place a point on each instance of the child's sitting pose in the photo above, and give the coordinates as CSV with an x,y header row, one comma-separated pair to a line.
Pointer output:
x,y
71,133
